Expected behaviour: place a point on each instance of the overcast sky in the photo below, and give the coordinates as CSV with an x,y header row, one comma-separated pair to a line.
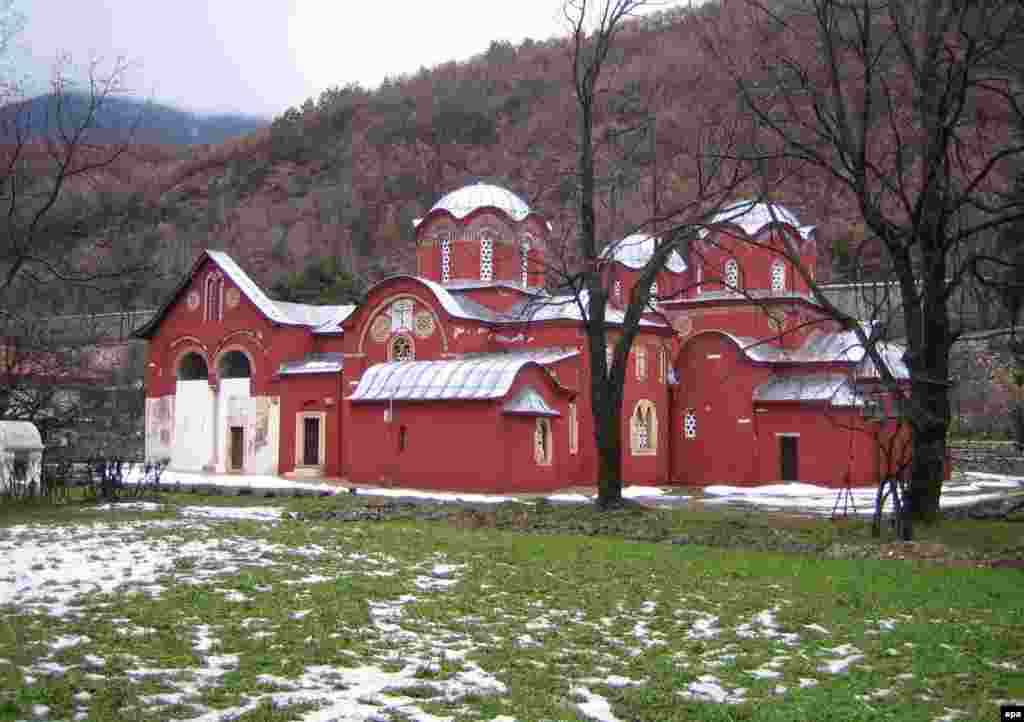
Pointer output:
x,y
261,56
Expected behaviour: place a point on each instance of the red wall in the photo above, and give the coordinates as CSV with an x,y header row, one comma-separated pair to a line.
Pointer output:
x,y
311,392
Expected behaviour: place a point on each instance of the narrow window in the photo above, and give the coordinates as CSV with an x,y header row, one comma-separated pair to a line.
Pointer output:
x,y
644,429
214,291
402,431
732,275
662,365
524,261
690,424
486,259
574,430
778,276
653,301
542,442
641,363
617,292
446,258
609,356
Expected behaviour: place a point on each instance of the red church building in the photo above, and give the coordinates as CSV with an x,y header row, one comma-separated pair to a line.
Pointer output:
x,y
470,376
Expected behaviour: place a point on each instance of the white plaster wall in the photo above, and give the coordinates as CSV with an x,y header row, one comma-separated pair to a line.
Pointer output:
x,y
159,428
262,435
233,402
192,441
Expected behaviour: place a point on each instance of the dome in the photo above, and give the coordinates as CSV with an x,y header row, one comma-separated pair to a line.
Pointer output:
x,y
636,250
460,203
752,217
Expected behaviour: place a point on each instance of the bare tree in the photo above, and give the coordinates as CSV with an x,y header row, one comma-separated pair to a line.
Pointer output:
x,y
906,112
580,273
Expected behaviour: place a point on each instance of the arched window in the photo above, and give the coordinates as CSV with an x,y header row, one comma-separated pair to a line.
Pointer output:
x,y
446,257
641,363
690,424
644,429
234,365
662,365
778,276
214,297
653,302
486,258
542,442
574,429
732,275
192,367
401,349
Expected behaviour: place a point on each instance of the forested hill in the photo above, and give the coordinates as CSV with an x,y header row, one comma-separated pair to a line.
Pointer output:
x,y
147,122
347,172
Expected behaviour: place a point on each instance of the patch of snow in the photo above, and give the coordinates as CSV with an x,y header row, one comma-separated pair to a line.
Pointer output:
x,y
707,688
594,707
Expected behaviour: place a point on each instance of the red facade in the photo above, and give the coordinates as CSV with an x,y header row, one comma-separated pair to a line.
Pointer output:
x,y
469,377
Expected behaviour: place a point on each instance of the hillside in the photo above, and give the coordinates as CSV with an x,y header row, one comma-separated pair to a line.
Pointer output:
x,y
347,173
151,123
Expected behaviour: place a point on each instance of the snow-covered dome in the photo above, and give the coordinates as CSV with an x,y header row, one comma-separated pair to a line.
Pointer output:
x,y
636,250
460,203
752,217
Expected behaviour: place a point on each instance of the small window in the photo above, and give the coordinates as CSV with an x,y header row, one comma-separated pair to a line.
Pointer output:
x,y
574,429
214,297
778,276
402,349
486,258
662,365
641,363
644,429
653,301
402,438
524,260
609,356
542,442
732,275
690,424
617,292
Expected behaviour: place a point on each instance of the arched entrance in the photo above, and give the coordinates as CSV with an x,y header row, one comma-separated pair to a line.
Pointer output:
x,y
192,448
234,370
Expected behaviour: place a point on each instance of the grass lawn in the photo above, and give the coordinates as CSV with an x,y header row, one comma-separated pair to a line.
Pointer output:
x,y
179,614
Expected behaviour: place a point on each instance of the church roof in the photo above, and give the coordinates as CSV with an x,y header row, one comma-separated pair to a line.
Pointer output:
x,y
323,319
834,388
484,376
314,363
460,203
752,217
634,251
528,402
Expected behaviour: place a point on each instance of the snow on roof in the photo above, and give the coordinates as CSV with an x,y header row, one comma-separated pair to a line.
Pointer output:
x,y
460,203
486,376
247,286
635,251
306,314
528,402
21,435
314,363
752,217
564,308
835,388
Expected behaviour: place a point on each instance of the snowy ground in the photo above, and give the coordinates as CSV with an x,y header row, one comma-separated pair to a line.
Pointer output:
x,y
967,489
352,626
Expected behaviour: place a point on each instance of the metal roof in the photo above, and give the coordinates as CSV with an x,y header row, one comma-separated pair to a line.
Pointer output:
x,y
636,250
485,376
528,402
253,292
309,315
752,217
834,388
460,203
564,308
314,363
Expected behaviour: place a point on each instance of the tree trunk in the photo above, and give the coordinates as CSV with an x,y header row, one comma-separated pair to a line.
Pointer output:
x,y
609,454
929,454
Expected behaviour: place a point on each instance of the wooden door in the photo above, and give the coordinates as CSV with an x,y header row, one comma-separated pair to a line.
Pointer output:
x,y
311,441
790,458
237,448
